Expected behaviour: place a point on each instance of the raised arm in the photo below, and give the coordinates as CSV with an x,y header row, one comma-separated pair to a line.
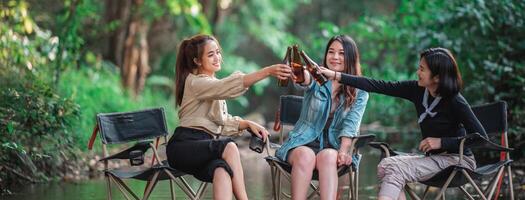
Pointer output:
x,y
280,71
403,89
206,87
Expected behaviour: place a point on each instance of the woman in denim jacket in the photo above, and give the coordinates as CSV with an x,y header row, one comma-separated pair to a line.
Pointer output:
x,y
330,116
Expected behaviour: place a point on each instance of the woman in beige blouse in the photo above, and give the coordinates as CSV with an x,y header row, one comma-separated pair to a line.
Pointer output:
x,y
195,147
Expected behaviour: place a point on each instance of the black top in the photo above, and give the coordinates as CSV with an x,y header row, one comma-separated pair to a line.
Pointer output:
x,y
454,116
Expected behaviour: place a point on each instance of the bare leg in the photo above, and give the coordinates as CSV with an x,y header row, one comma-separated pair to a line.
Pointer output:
x,y
302,160
402,195
384,198
232,157
222,184
326,164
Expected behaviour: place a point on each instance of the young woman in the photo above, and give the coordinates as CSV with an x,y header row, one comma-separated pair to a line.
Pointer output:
x,y
443,116
330,115
195,147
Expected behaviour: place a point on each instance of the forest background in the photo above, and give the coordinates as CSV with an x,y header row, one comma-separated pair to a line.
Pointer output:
x,y
61,62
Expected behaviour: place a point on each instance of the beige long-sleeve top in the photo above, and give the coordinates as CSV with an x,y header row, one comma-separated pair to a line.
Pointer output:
x,y
204,107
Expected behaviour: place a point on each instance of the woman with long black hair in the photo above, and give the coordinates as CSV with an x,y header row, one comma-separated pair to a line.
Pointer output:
x,y
443,115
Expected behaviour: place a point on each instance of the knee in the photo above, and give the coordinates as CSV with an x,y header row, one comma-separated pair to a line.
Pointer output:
x,y
327,158
220,172
231,149
383,166
304,159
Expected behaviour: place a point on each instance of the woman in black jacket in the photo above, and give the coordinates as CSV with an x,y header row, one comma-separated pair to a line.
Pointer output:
x,y
443,116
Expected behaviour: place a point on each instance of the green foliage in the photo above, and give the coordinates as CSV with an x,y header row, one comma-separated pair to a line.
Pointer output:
x,y
98,90
35,121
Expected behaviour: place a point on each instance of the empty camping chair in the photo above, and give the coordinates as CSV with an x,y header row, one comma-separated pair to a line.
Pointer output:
x,y
493,117
143,128
289,112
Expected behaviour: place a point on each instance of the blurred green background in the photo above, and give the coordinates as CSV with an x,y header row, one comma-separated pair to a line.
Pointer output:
x,y
61,62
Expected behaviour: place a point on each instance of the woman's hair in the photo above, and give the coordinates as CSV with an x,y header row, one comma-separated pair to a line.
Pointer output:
x,y
189,50
441,63
351,65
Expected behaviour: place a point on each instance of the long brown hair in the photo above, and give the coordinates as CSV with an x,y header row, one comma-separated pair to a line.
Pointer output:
x,y
352,66
189,49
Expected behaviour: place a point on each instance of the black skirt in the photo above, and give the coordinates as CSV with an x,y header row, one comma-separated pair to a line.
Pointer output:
x,y
197,153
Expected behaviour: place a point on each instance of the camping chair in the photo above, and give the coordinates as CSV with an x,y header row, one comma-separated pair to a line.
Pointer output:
x,y
140,127
289,112
493,117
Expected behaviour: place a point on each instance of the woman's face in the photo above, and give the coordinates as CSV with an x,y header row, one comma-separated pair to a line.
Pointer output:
x,y
335,57
424,75
211,59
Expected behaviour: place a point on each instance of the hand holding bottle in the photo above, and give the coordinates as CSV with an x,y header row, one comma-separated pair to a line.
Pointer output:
x,y
328,73
280,71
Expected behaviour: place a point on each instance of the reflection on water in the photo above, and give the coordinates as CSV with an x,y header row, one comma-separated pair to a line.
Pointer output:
x,y
257,174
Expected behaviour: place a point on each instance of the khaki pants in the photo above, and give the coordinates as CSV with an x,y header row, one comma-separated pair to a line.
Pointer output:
x,y
396,171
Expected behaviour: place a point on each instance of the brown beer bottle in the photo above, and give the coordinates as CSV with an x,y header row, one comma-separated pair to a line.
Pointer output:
x,y
297,65
314,69
287,61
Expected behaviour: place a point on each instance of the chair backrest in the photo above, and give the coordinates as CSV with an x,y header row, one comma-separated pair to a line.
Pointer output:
x,y
492,116
132,126
290,109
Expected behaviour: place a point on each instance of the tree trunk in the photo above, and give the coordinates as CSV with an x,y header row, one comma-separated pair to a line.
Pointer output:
x,y
128,45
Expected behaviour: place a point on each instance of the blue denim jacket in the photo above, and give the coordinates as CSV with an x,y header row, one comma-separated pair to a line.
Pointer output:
x,y
314,114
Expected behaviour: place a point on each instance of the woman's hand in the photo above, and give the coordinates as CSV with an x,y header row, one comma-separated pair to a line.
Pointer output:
x,y
330,74
343,158
280,71
257,129
306,76
430,143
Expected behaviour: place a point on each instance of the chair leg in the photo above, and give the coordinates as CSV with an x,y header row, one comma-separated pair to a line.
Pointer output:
x,y
185,187
278,183
411,193
314,192
351,186
474,184
493,180
466,193
288,177
274,182
200,191
426,192
152,183
511,187
445,186
356,185
119,183
493,185
172,190
108,184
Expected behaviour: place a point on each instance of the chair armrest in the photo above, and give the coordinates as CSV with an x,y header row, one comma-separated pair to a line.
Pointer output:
x,y
274,145
476,141
386,150
362,140
141,146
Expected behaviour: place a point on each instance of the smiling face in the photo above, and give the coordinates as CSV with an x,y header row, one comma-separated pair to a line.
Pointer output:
x,y
210,61
424,75
335,56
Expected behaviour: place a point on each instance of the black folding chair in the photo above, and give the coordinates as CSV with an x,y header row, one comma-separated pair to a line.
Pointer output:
x,y
289,112
493,117
142,128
